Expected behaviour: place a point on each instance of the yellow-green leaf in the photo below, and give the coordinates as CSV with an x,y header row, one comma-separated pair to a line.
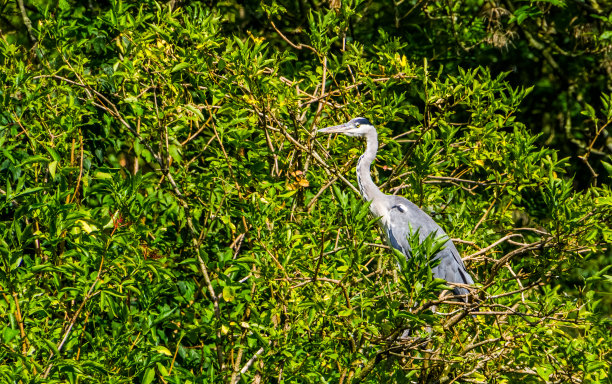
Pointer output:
x,y
228,294
163,350
52,168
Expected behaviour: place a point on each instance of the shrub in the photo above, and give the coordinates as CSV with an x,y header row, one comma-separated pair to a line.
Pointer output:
x,y
169,213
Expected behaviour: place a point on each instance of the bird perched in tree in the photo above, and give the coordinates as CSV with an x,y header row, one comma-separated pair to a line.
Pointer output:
x,y
398,214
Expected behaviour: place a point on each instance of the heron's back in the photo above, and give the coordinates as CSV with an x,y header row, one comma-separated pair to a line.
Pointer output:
x,y
401,214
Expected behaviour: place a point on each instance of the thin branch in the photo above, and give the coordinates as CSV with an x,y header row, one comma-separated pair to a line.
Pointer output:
x,y
485,250
25,343
314,199
501,262
88,296
78,183
26,20
187,140
298,46
484,216
251,361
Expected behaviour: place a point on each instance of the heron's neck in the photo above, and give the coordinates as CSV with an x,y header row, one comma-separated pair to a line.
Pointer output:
x,y
368,189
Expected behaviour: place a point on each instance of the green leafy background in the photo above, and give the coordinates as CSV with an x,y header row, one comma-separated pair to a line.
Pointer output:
x,y
168,213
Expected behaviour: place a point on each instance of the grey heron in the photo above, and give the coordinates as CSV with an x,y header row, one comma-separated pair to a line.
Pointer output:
x,y
398,214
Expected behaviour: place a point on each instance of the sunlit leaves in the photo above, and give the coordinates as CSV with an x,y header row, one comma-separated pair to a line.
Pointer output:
x,y
146,146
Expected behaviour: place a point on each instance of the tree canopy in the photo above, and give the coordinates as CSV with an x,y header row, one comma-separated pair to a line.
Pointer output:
x,y
168,213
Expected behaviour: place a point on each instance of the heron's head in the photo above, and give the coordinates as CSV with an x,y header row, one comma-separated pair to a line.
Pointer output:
x,y
359,127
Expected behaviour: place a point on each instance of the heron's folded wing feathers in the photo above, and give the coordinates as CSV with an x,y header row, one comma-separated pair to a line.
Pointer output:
x,y
403,215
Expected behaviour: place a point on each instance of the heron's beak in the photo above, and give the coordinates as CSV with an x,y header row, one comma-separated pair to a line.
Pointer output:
x,y
335,129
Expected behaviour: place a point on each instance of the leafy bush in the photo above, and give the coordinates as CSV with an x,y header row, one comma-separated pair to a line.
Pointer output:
x,y
169,214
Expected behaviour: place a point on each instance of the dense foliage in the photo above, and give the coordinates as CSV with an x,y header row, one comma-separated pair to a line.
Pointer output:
x,y
168,213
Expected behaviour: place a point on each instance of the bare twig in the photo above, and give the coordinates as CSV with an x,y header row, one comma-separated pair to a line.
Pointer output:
x,y
518,281
251,361
88,296
24,339
235,373
324,279
486,249
599,131
187,140
319,260
502,261
178,344
482,219
26,20
594,174
296,46
314,199
78,183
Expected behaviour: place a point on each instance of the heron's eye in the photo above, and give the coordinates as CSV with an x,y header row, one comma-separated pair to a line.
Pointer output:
x,y
357,125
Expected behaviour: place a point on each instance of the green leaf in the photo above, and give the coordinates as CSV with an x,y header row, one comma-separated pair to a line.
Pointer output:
x,y
103,175
544,372
163,350
56,157
608,167
162,369
229,294
195,111
148,376
8,334
51,346
52,166
35,159
180,67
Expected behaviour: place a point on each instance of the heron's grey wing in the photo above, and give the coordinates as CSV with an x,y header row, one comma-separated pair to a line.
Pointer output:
x,y
404,214
401,216
452,269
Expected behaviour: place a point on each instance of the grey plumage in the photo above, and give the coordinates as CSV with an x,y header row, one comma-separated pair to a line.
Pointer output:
x,y
398,214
